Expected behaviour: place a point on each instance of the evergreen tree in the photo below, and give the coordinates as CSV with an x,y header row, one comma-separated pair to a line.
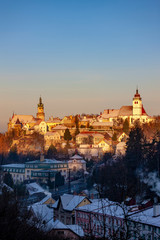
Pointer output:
x,y
8,179
134,158
52,151
59,179
77,125
67,135
13,155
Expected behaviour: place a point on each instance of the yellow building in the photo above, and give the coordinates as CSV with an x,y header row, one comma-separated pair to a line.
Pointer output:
x,y
105,146
52,122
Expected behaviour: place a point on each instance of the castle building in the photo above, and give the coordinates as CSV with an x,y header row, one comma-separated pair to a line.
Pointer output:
x,y
27,121
132,113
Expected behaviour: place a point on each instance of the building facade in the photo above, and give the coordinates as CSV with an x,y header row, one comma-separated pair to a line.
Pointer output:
x,y
38,170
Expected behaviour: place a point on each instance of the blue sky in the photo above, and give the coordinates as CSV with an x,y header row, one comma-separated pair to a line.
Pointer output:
x,y
81,56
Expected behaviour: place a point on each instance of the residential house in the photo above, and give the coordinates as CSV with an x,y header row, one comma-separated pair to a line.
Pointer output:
x,y
53,122
77,163
68,121
89,137
57,228
122,137
60,129
64,207
105,146
51,138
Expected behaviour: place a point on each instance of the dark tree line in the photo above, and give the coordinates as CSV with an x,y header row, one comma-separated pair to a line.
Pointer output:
x,y
122,177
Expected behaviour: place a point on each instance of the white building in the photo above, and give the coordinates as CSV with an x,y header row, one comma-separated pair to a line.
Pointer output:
x,y
77,163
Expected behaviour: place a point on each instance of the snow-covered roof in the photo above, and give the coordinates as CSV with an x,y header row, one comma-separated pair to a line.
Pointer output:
x,y
60,127
56,225
45,199
46,161
76,156
22,118
69,201
54,120
42,212
110,113
77,161
106,124
59,225
146,217
36,188
77,229
126,111
14,165
103,206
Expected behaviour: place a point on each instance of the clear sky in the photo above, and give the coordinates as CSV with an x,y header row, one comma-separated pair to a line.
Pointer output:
x,y
82,56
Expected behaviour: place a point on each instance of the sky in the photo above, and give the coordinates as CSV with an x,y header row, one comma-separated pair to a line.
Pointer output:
x,y
81,56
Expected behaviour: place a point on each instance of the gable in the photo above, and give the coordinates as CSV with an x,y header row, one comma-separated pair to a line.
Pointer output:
x,y
84,202
49,201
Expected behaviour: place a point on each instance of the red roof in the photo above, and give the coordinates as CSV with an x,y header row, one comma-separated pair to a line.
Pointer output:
x,y
143,111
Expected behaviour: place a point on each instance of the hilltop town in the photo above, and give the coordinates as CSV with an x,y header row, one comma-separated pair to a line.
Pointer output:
x,y
92,135
86,175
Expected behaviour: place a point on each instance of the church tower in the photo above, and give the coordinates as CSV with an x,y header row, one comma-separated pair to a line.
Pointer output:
x,y
40,110
137,104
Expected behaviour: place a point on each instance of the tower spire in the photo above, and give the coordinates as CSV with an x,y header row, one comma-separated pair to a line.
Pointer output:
x,y
40,100
40,112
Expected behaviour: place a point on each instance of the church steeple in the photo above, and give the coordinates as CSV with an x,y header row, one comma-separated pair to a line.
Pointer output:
x,y
40,110
40,104
137,95
137,104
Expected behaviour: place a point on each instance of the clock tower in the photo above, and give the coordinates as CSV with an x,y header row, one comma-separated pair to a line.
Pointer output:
x,y
40,110
137,104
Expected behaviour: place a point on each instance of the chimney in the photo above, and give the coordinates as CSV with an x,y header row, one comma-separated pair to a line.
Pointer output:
x,y
42,158
156,208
